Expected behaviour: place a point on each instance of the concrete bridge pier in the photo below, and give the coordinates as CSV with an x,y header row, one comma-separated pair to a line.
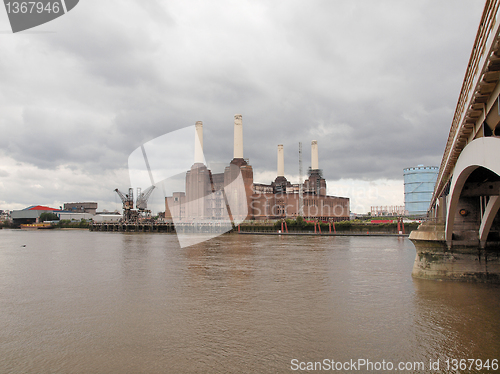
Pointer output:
x,y
461,241
463,261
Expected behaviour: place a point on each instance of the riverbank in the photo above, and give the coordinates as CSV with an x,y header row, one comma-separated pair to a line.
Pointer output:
x,y
321,234
350,228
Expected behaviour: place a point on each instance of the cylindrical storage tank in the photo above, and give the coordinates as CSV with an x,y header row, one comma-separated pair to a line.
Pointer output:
x,y
419,186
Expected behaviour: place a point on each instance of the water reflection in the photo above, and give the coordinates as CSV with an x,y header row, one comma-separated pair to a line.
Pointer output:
x,y
135,250
221,260
457,320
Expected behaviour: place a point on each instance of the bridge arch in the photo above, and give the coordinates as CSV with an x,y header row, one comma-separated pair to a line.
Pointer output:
x,y
480,153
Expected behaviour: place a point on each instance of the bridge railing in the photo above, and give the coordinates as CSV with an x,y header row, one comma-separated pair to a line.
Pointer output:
x,y
478,56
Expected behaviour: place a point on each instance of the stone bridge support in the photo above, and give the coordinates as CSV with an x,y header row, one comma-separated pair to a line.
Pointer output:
x,y
463,241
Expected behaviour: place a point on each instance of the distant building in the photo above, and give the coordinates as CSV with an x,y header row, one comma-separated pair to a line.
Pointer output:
x,y
175,206
72,216
389,210
419,186
107,217
81,207
30,214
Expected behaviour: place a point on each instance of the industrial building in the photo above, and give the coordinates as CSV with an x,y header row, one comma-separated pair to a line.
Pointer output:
x,y
71,216
72,212
419,185
107,217
30,214
234,195
388,210
81,208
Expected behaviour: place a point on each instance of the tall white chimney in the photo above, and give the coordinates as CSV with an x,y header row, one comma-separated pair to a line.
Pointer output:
x,y
314,155
281,161
238,136
198,143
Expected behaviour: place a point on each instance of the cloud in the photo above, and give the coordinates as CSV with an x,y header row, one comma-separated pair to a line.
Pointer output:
x,y
23,184
376,83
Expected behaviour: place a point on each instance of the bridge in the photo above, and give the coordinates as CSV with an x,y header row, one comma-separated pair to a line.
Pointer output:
x,y
461,239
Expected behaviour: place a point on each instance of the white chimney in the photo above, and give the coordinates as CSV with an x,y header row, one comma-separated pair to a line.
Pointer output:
x,y
198,143
314,155
281,161
238,136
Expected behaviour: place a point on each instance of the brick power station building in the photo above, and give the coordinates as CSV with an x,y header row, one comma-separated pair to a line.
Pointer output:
x,y
234,195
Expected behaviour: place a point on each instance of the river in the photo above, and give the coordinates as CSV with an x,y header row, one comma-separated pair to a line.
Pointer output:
x,y
73,301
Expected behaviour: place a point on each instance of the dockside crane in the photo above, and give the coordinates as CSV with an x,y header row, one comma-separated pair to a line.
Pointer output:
x,y
128,203
141,205
142,199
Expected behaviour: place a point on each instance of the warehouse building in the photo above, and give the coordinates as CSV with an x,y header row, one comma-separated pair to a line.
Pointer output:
x,y
30,214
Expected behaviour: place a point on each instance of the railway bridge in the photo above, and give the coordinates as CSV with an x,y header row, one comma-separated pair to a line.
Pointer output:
x,y
461,239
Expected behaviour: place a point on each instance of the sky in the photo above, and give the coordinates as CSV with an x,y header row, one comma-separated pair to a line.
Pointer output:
x,y
374,82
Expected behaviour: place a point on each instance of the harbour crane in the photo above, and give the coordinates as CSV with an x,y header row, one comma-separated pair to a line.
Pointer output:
x,y
128,203
142,198
129,213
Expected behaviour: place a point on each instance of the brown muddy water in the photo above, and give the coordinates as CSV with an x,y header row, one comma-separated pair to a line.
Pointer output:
x,y
90,302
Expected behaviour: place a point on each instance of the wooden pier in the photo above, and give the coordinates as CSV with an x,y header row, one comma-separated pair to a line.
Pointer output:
x,y
132,227
205,227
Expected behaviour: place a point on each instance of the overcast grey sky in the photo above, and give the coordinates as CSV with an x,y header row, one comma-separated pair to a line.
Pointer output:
x,y
375,82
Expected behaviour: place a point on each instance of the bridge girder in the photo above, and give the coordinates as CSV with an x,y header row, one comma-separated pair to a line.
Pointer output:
x,y
479,93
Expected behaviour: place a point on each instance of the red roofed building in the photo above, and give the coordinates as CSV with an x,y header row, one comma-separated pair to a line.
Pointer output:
x,y
30,214
39,207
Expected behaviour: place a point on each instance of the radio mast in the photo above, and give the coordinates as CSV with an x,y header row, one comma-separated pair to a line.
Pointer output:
x,y
301,198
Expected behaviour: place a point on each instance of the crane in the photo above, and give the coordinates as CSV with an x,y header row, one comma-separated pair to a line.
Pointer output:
x,y
128,203
142,198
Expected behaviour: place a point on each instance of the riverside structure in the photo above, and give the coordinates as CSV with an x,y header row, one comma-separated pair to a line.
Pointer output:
x,y
234,195
462,239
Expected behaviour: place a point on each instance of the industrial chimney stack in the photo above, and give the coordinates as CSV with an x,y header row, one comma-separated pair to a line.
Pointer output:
x,y
238,136
198,143
281,161
314,155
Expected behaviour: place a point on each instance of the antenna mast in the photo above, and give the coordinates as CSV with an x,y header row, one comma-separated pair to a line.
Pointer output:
x,y
301,198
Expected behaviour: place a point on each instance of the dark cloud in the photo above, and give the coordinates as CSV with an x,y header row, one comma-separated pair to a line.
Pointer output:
x,y
376,83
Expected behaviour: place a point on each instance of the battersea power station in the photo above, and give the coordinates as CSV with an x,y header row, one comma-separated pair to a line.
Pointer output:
x,y
233,194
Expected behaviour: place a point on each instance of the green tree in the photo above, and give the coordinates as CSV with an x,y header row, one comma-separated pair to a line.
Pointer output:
x,y
48,216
